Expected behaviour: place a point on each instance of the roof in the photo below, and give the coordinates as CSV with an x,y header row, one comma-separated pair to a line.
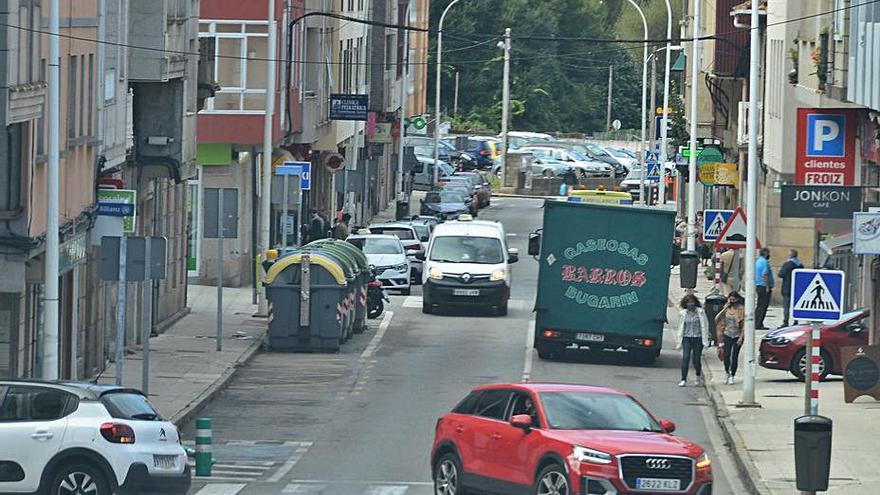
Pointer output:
x,y
372,236
469,228
83,390
390,225
554,387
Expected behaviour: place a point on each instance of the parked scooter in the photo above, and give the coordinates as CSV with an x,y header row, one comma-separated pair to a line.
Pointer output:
x,y
375,297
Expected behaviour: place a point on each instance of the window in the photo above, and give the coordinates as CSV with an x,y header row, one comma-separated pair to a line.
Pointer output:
x,y
389,52
241,53
130,406
71,97
492,404
523,404
36,404
468,405
82,95
467,249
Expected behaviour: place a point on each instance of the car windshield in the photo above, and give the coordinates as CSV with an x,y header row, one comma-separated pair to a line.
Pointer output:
x,y
124,405
579,156
380,245
401,233
444,197
597,150
595,411
467,249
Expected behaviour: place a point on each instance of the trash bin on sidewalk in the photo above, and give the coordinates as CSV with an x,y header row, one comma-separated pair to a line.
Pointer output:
x,y
690,263
357,259
812,452
713,305
401,211
305,291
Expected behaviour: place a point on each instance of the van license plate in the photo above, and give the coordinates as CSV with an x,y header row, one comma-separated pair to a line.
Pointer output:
x,y
466,292
591,337
165,461
657,484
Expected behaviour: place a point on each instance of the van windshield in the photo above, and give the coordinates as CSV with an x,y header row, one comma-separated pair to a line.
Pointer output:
x,y
467,249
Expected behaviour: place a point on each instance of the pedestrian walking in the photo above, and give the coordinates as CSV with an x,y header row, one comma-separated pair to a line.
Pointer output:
x,y
318,227
342,230
729,324
764,284
731,271
785,273
692,337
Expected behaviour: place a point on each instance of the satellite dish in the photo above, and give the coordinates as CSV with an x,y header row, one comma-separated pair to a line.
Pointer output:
x,y
616,124
334,162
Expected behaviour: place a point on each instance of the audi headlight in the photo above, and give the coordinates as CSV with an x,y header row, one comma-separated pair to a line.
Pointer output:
x,y
497,275
703,461
583,454
435,274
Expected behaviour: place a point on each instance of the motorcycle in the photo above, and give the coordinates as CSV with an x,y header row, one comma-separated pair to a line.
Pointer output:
x,y
375,297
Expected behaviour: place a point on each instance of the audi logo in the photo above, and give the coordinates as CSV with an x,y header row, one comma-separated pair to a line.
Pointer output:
x,y
655,463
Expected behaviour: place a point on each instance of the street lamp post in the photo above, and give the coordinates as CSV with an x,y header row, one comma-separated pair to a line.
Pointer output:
x,y
437,89
692,167
404,92
644,104
664,125
505,105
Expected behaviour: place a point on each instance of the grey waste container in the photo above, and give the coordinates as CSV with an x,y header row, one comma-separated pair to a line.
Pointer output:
x,y
690,262
347,255
713,305
305,311
812,452
401,211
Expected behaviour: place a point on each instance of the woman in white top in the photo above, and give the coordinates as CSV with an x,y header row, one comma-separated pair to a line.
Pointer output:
x,y
692,337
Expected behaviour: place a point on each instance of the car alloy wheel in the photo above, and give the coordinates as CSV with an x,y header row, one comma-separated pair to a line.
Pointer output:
x,y
804,364
553,482
79,480
446,480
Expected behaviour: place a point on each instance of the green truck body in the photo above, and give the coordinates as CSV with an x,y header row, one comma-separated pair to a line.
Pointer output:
x,y
603,280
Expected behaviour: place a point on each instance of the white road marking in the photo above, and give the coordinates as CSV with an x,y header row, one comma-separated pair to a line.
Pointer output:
x,y
360,482
386,490
412,302
222,489
511,234
291,462
304,488
530,355
377,339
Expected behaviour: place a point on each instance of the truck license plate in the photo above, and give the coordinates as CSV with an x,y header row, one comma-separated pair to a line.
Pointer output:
x,y
466,292
165,461
657,484
591,337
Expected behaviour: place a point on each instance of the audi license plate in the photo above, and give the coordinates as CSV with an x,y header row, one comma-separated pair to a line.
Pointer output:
x,y
591,337
466,292
165,461
657,484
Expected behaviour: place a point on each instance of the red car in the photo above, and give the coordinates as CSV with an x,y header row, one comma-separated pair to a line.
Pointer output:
x,y
557,439
785,348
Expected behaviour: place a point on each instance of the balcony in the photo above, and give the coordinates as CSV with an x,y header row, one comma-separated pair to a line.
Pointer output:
x,y
160,27
742,124
315,117
25,102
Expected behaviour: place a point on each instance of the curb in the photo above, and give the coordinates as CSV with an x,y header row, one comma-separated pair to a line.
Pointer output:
x,y
195,406
748,472
525,196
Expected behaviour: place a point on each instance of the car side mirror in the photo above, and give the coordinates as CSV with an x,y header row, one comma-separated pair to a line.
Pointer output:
x,y
512,255
667,425
534,244
521,421
420,255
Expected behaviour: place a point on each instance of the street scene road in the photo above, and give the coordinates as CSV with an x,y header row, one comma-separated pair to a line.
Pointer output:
x,y
362,421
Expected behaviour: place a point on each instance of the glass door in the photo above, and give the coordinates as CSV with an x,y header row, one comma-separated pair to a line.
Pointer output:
x,y
193,216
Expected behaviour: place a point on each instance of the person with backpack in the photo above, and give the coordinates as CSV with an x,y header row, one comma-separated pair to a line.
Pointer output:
x,y
785,273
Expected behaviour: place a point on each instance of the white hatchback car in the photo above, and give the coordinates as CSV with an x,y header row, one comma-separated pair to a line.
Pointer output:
x,y
79,438
386,254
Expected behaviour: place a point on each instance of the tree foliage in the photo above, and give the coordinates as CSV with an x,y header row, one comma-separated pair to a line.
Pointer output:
x,y
555,85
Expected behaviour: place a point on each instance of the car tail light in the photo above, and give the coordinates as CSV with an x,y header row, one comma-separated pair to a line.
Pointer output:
x,y
117,433
484,152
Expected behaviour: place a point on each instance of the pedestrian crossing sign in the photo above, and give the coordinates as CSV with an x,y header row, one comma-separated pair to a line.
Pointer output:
x,y
653,174
817,295
714,222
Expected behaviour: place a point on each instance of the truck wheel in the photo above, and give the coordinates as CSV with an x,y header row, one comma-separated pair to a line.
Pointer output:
x,y
549,351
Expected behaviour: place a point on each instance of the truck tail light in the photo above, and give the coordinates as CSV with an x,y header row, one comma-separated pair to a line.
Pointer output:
x,y
117,433
645,342
552,334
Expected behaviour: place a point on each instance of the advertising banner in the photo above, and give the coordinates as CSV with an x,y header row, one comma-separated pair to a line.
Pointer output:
x,y
826,147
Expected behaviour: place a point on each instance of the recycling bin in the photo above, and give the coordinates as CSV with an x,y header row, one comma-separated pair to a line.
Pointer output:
x,y
357,299
305,291
689,265
713,305
812,452
401,211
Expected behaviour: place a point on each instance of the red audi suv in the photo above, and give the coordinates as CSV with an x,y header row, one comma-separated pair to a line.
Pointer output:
x,y
559,439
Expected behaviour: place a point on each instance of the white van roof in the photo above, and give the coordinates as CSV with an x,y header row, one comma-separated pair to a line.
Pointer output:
x,y
474,228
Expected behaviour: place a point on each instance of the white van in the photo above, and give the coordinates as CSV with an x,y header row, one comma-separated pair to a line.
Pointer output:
x,y
467,264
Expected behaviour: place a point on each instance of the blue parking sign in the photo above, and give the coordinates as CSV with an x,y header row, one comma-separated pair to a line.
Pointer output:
x,y
817,295
826,135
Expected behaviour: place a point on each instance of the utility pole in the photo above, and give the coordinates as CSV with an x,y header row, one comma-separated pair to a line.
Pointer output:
x,y
653,106
53,240
505,106
692,168
404,93
664,125
455,100
748,396
437,90
610,92
643,138
266,198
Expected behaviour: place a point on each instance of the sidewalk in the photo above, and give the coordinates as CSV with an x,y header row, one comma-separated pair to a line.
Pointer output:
x,y
185,369
762,439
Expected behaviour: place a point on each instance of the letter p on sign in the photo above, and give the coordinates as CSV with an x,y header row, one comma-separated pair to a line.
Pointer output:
x,y
826,135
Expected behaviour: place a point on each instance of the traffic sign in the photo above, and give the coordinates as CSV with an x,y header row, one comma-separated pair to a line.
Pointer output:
x,y
714,222
817,295
653,174
303,170
734,234
826,147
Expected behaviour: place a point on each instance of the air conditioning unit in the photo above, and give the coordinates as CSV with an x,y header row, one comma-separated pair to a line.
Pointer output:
x,y
742,124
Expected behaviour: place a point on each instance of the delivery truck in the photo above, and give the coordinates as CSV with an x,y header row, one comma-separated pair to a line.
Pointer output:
x,y
603,278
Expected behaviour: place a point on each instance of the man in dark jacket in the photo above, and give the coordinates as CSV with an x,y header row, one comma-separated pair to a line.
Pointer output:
x,y
785,273
318,227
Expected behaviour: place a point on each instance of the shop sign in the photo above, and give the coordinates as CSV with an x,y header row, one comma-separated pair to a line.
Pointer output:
x,y
349,107
115,202
72,252
861,371
383,133
820,201
866,233
726,174
826,147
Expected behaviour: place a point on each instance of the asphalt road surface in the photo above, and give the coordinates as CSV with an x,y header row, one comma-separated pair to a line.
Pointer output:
x,y
362,421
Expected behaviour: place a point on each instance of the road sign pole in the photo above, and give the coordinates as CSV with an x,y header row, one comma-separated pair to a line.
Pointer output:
x,y
120,312
299,211
147,316
220,221
284,199
716,267
811,370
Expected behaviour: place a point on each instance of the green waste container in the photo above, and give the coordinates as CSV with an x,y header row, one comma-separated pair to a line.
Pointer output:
x,y
305,312
362,267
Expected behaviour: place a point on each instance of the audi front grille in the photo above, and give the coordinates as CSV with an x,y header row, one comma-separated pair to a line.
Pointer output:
x,y
656,466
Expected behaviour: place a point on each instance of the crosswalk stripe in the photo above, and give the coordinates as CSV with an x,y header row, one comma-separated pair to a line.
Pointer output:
x,y
304,489
386,490
222,489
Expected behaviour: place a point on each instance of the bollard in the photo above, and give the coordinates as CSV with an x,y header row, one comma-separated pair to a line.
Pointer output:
x,y
204,457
